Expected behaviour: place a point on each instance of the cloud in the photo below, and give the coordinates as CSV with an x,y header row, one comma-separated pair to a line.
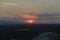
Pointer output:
x,y
7,15
24,16
7,4
27,16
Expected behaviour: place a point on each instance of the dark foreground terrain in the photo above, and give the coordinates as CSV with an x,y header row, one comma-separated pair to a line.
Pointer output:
x,y
27,31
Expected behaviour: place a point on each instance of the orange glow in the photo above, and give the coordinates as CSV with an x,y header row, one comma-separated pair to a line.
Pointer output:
x,y
28,16
30,21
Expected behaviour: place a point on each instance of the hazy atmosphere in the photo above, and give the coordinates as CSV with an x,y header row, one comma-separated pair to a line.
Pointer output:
x,y
40,10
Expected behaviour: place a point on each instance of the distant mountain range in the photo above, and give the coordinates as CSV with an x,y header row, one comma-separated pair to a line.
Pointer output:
x,y
7,22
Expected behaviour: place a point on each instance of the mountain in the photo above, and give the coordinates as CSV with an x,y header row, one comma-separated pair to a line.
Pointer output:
x,y
9,22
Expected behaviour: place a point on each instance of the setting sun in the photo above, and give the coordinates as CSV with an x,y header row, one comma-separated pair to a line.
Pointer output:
x,y
30,21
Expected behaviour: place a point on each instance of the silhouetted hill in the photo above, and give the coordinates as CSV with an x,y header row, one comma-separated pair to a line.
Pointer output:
x,y
26,31
43,27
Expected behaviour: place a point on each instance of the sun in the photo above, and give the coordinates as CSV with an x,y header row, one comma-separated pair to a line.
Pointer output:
x,y
30,21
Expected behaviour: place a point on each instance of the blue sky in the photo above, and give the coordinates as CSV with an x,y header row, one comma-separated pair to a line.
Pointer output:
x,y
23,8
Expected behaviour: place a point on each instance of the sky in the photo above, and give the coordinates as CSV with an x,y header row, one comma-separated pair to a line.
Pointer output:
x,y
30,9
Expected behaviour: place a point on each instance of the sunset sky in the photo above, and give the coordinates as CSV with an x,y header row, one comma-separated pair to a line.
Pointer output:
x,y
19,10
